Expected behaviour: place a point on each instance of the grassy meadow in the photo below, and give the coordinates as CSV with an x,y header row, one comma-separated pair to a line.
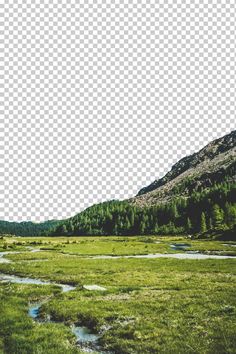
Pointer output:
x,y
161,305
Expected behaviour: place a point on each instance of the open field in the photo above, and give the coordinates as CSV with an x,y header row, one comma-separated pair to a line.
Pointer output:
x,y
161,305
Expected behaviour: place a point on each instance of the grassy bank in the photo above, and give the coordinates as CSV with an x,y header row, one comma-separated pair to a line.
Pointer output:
x,y
149,306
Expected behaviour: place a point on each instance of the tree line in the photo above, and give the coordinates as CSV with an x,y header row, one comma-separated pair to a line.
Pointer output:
x,y
27,228
209,209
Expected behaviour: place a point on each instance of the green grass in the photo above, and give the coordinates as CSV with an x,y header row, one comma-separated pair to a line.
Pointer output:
x,y
113,245
150,305
18,332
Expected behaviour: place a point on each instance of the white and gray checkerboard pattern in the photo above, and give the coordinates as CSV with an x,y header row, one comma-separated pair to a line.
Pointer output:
x,y
100,97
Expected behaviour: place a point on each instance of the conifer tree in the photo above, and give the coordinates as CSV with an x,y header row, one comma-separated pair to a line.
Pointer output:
x,y
217,216
189,225
230,214
203,226
142,227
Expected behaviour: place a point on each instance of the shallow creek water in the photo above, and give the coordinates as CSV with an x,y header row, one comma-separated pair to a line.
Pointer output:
x,y
176,247
186,255
85,338
3,254
83,335
25,280
179,246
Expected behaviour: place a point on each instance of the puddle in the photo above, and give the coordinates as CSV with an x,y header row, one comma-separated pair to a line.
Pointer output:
x,y
88,341
179,246
34,310
34,250
94,287
84,335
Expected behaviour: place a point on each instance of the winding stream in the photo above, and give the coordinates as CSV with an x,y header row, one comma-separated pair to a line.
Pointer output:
x,y
22,280
3,254
187,255
87,340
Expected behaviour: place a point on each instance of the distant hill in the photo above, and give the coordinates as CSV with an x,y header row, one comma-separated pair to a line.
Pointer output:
x,y
27,228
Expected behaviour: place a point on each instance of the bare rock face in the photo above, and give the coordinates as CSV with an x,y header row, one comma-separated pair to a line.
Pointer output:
x,y
215,163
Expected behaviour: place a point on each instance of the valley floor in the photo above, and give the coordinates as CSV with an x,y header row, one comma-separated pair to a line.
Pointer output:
x,y
114,304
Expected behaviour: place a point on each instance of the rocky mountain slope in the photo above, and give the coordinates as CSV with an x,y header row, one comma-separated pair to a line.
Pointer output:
x,y
215,163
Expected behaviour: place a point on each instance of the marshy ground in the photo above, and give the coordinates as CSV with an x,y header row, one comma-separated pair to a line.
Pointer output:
x,y
130,305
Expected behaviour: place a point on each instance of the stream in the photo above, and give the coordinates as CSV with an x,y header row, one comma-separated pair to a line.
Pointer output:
x,y
176,247
21,280
187,255
3,254
86,340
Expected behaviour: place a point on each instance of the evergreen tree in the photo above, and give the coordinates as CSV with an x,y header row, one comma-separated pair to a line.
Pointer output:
x,y
173,212
203,226
217,216
116,232
142,227
202,210
230,214
210,225
127,224
132,218
189,225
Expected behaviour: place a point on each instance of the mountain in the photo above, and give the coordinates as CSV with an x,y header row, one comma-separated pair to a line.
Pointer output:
x,y
27,228
197,196
215,163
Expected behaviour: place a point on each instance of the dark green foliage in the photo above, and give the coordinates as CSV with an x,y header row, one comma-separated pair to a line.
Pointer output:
x,y
212,208
203,226
230,214
189,226
209,209
27,228
217,216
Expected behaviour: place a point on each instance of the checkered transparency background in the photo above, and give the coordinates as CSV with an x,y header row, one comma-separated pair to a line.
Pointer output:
x,y
99,98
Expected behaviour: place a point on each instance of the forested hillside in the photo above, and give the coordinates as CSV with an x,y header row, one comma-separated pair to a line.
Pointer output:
x,y
27,228
197,196
210,209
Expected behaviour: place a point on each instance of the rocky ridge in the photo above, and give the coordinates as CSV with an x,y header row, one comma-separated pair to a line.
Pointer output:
x,y
215,163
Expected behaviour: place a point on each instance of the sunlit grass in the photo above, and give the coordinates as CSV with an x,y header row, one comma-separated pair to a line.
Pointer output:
x,y
150,305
